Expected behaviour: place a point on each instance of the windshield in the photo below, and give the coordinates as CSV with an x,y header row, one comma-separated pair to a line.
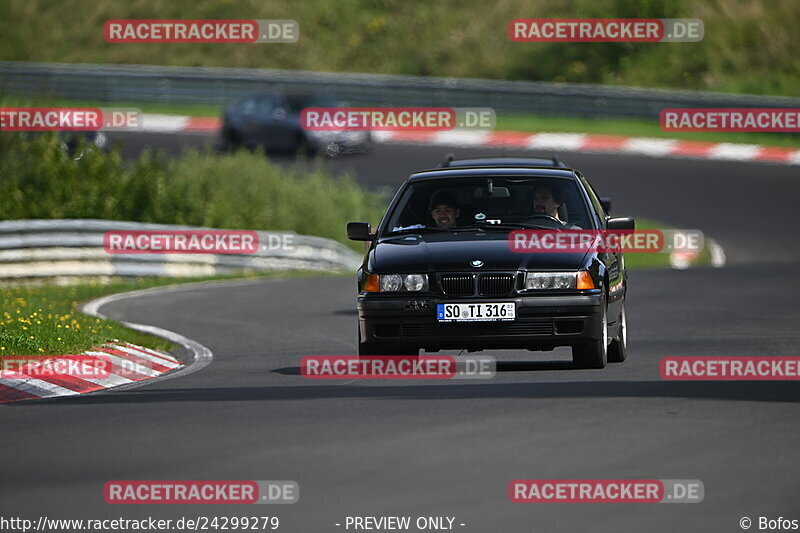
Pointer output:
x,y
491,203
296,103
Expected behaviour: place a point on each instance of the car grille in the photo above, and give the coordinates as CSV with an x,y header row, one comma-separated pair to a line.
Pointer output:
x,y
457,284
495,284
528,327
489,284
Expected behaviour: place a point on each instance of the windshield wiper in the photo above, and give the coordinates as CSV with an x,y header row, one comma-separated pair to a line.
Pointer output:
x,y
509,226
483,227
425,229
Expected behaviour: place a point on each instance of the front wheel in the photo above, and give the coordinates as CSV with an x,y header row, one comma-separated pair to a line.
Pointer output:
x,y
230,140
303,147
618,349
594,354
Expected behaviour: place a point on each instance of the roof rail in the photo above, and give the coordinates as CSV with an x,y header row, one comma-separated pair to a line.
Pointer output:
x,y
450,158
446,162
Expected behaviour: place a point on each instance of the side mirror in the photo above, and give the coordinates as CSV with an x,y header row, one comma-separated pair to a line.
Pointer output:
x,y
621,223
359,231
605,201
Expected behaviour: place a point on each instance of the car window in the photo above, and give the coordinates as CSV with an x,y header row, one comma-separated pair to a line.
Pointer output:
x,y
593,198
492,200
247,105
296,104
264,105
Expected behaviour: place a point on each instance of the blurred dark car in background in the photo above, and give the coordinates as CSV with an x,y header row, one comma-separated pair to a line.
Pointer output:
x,y
76,143
272,122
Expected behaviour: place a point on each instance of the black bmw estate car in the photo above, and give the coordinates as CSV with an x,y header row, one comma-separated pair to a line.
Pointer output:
x,y
439,273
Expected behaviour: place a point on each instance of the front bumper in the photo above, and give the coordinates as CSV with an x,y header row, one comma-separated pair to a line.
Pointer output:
x,y
542,322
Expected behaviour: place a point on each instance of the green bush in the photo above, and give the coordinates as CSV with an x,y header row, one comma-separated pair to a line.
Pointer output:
x,y
749,45
231,191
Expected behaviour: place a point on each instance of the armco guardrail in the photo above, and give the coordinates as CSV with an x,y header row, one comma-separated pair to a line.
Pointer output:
x,y
196,85
56,248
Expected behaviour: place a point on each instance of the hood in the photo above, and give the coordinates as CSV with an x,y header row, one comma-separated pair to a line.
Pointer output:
x,y
453,252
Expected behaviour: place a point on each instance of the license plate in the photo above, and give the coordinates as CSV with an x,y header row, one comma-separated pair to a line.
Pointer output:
x,y
476,312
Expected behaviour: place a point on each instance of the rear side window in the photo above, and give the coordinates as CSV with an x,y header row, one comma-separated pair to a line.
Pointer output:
x,y
595,201
247,105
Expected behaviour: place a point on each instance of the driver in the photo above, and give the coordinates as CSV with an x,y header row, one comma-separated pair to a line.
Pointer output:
x,y
546,201
445,210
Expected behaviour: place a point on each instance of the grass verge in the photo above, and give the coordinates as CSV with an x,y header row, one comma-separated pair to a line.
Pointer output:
x,y
748,46
45,320
637,128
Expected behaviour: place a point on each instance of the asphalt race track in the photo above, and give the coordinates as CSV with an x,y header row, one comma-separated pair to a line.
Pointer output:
x,y
451,448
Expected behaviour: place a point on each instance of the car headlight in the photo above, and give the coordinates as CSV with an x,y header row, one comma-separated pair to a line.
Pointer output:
x,y
391,282
558,280
415,282
403,282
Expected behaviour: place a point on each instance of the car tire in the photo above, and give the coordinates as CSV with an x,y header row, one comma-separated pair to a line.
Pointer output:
x,y
593,354
230,140
303,148
618,349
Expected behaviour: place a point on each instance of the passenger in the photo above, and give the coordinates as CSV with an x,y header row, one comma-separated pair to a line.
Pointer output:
x,y
547,200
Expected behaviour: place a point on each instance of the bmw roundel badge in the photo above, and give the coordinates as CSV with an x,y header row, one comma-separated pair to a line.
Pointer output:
x,y
477,263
